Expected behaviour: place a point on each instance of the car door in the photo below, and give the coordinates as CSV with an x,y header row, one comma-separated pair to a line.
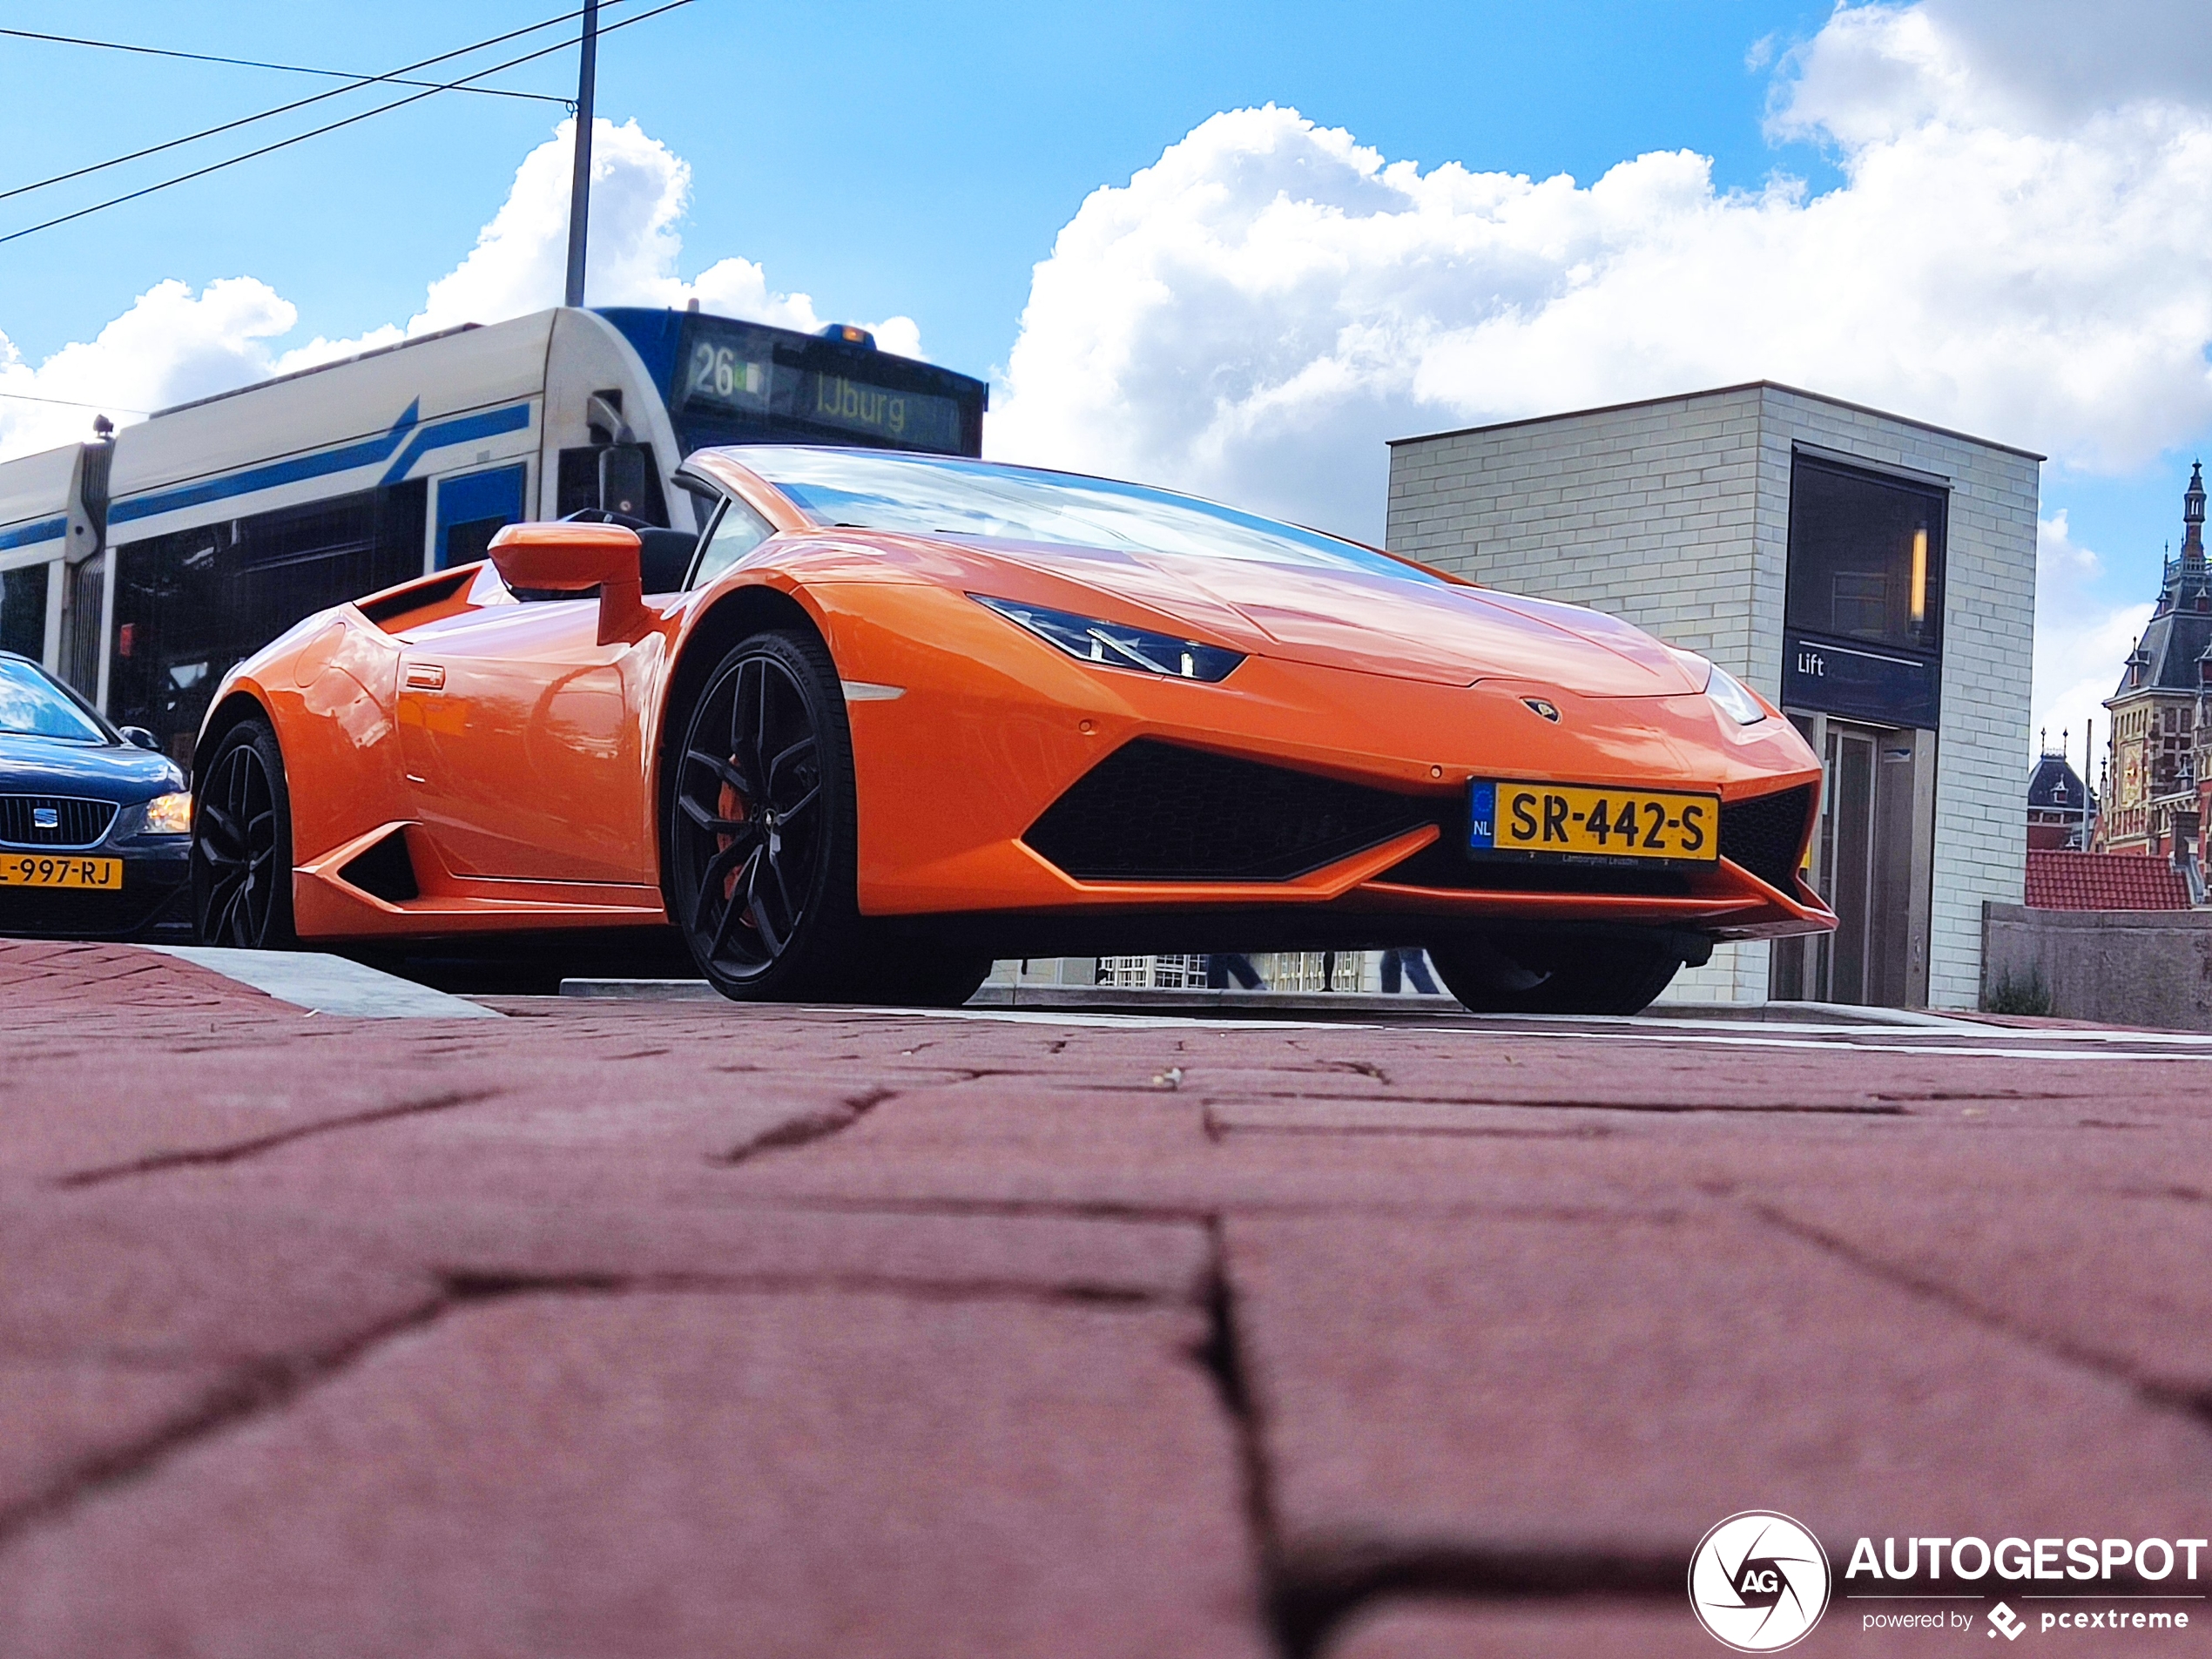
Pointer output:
x,y
524,739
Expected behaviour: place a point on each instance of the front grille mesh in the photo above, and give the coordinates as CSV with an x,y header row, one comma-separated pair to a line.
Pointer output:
x,y
1763,835
75,823
1156,812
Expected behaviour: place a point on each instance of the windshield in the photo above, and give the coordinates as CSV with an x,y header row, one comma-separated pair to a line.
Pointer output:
x,y
929,495
33,706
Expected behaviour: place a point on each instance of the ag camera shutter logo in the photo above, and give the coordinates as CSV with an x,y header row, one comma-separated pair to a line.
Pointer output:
x,y
1758,1581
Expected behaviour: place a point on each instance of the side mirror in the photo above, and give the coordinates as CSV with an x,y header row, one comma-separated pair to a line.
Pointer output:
x,y
575,559
138,738
622,479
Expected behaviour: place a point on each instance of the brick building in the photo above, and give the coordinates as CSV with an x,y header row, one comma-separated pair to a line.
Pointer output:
x,y
2157,712
1875,576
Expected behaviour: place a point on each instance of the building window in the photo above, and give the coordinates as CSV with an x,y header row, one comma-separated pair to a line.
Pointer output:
x,y
1866,556
1160,972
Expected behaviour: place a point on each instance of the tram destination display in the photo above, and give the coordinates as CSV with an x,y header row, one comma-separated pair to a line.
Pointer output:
x,y
730,369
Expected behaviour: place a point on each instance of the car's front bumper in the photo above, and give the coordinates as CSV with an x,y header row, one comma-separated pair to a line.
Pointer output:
x,y
989,728
154,902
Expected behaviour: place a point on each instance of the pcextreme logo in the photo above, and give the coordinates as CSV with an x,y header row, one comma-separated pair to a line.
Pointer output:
x,y
1758,1581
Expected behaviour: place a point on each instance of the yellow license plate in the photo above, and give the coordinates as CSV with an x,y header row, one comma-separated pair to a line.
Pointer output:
x,y
36,870
1573,820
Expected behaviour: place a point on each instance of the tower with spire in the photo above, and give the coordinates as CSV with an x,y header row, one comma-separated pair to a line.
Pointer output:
x,y
2159,711
2061,806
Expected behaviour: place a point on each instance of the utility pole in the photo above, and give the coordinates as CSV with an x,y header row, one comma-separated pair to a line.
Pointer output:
x,y
580,190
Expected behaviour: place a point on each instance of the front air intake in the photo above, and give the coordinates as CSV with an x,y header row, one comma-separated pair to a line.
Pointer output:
x,y
1763,835
1157,811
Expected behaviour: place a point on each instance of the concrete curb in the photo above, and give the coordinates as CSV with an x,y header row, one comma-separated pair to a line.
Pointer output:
x,y
1104,998
326,984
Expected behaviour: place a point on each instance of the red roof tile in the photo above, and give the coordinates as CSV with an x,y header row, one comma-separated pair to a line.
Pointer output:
x,y
2103,881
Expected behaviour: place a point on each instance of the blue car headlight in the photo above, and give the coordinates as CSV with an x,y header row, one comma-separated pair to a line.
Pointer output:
x,y
1113,644
169,815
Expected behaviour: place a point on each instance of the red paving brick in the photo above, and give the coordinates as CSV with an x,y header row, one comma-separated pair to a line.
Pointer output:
x,y
1428,1629
684,1328
660,1474
1452,1630
1621,1385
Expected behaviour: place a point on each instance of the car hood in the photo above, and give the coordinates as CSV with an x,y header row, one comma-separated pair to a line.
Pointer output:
x,y
1408,628
121,773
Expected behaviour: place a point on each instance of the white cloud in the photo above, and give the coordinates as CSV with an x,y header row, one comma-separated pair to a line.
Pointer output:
x,y
1254,313
2021,248
2024,66
172,345
2079,643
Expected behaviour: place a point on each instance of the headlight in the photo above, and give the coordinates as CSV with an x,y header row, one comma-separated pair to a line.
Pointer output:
x,y
1735,700
1112,644
169,815
1734,697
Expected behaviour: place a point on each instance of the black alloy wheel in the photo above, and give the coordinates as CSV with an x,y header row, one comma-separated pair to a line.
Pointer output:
x,y
1566,974
762,825
242,846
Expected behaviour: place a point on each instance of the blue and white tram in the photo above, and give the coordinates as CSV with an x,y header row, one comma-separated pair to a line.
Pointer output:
x,y
142,567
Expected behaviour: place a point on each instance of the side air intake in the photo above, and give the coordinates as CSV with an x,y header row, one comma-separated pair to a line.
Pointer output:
x,y
384,871
1157,811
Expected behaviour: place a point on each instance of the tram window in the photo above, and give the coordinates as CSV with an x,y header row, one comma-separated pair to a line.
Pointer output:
x,y
576,483
191,603
1866,555
23,610
473,507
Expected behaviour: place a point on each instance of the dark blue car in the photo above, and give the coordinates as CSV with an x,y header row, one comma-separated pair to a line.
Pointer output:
x,y
95,826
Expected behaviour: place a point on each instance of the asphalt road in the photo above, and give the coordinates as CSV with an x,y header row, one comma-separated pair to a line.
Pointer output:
x,y
660,1329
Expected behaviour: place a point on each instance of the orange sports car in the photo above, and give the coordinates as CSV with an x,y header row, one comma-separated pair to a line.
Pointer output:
x,y
891,716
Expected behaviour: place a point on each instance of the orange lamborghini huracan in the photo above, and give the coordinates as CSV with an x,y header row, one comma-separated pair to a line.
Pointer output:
x,y
891,716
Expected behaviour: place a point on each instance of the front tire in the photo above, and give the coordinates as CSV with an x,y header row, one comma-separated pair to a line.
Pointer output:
x,y
241,844
763,826
1566,974
917,973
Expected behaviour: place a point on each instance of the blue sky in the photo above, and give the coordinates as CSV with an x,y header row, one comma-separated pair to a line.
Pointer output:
x,y
887,159
881,163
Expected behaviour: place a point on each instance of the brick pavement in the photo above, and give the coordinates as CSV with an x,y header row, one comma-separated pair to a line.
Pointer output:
x,y
663,1328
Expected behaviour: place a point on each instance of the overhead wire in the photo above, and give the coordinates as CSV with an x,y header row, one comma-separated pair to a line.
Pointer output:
x,y
316,97
397,78
332,126
70,403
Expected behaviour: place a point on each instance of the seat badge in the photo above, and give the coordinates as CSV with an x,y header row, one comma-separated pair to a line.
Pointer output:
x,y
1538,705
